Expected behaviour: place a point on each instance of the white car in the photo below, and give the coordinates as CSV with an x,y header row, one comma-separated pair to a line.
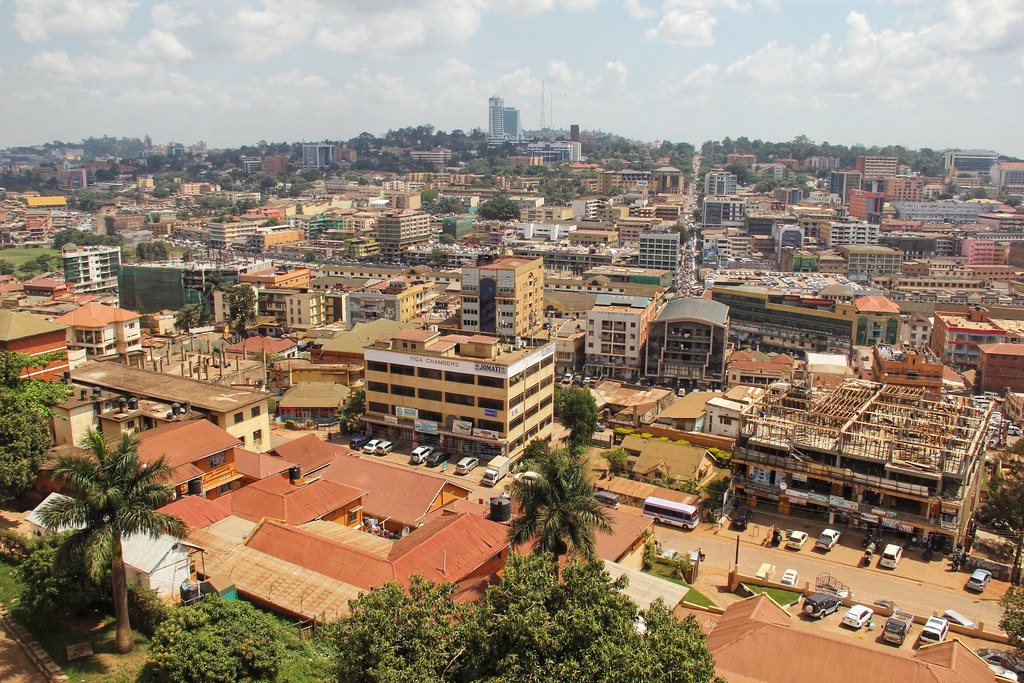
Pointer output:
x,y
796,540
935,630
827,540
371,445
420,453
857,616
789,577
891,556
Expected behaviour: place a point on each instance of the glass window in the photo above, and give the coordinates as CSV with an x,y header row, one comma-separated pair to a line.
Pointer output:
x,y
238,417
255,412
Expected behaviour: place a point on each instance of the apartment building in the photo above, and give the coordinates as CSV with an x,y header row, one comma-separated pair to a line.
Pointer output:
x,y
400,299
721,212
874,167
91,269
617,329
504,297
659,250
900,189
154,398
864,455
957,336
469,395
102,330
34,336
230,232
719,183
686,343
860,232
397,231
865,261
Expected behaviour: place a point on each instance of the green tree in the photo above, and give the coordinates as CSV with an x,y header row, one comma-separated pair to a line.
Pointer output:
x,y
214,641
350,414
241,301
112,495
579,414
557,509
6,267
1012,621
189,316
498,209
618,460
49,589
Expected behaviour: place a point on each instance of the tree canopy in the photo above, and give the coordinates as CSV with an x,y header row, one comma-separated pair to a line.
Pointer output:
x,y
528,627
241,302
579,414
350,414
499,209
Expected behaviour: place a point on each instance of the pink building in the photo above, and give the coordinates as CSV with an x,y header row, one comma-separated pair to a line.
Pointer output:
x,y
978,252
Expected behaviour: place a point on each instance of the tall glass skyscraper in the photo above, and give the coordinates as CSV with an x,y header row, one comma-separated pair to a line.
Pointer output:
x,y
503,122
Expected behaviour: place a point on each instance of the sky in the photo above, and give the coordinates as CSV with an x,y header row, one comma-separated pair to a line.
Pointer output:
x,y
921,73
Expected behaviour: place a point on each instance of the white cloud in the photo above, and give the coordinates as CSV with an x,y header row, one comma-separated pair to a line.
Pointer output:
x,y
37,20
259,34
638,11
528,7
385,29
684,27
171,15
59,64
296,79
164,45
618,74
774,64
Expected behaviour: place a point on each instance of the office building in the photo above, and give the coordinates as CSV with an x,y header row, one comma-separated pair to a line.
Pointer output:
x,y
554,152
659,250
1000,368
229,232
862,455
719,183
504,297
167,286
721,212
970,160
842,182
947,211
956,337
1008,177
317,156
866,261
668,180
468,395
850,233
275,163
686,343
874,167
503,122
867,206
400,299
617,328
91,269
398,231
901,189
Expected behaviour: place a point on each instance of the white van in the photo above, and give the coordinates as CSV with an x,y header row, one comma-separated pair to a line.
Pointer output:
x,y
466,465
890,556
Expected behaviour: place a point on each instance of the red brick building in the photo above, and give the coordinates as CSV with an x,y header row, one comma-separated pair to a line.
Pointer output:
x,y
1000,366
25,333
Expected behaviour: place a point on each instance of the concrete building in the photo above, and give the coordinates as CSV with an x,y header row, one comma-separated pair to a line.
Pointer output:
x,y
398,231
617,329
659,250
719,183
504,297
555,151
867,206
317,156
503,122
400,299
91,269
860,232
546,214
842,182
686,343
865,261
944,211
970,160
34,336
1000,367
103,330
875,167
864,455
907,366
233,231
1008,177
899,189
721,212
469,395
956,337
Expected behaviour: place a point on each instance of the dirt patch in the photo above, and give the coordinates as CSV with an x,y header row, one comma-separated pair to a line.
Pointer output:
x,y
15,666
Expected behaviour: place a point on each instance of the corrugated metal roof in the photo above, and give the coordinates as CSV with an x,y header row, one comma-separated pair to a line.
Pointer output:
x,y
278,498
180,443
14,325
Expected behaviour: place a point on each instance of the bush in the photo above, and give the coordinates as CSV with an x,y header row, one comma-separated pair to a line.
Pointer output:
x,y
682,442
50,590
650,555
618,460
145,609
289,424
310,424
623,431
646,435
13,546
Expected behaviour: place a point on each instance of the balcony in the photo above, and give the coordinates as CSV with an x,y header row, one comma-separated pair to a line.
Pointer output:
x,y
219,476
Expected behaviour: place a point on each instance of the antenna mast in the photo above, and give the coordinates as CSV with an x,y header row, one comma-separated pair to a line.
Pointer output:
x,y
542,105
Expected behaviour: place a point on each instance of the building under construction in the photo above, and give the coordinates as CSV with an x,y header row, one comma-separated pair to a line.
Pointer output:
x,y
863,455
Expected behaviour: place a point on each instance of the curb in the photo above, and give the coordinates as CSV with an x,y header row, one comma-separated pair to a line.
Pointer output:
x,y
36,654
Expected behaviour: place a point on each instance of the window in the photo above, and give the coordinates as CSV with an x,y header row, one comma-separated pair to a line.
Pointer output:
x,y
491,425
495,382
353,515
376,407
377,386
460,377
399,390
459,399
430,395
218,460
238,417
255,412
490,404
429,373
226,488
257,436
377,366
405,370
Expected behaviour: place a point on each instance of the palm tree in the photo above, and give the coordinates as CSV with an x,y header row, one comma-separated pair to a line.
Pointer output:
x,y
112,496
557,508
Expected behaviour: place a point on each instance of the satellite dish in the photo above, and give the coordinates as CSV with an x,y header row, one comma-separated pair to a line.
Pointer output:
x,y
782,486
405,531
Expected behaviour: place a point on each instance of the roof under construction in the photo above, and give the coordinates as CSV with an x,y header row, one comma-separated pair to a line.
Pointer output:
x,y
885,423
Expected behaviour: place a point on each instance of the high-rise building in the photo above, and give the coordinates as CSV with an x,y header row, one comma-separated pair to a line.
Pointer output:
x,y
503,122
92,268
841,182
504,297
720,183
659,251
877,167
970,160
402,229
317,156
574,132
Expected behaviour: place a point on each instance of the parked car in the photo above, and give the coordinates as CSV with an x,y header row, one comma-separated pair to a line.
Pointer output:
x,y
371,446
1004,674
1002,658
979,580
741,518
891,556
466,465
819,605
358,441
419,454
436,458
789,577
935,630
384,447
827,540
857,616
796,540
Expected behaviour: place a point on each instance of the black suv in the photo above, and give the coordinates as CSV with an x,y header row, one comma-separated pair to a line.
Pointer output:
x,y
819,605
741,518
359,441
436,458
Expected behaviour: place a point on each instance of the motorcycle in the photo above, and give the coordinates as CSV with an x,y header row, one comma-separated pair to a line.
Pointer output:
x,y
868,552
776,538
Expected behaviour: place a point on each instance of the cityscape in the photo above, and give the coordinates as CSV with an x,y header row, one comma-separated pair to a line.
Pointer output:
x,y
519,383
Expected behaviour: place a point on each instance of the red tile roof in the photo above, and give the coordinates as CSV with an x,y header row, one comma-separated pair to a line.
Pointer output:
x,y
198,512
627,529
93,315
1002,349
277,498
309,452
876,304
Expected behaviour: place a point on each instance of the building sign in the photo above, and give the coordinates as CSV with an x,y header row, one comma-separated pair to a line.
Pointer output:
x,y
490,413
462,427
798,476
868,517
487,433
390,419
883,513
402,411
801,495
489,369
818,498
515,410
893,524
425,426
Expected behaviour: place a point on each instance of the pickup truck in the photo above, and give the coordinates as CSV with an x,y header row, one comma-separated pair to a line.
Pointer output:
x,y
897,628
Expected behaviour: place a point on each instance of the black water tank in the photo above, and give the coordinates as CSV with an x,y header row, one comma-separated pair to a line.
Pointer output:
x,y
133,403
294,473
95,392
186,407
195,487
189,592
175,408
501,509
122,402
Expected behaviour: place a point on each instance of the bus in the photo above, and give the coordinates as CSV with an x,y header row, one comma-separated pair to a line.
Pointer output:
x,y
669,512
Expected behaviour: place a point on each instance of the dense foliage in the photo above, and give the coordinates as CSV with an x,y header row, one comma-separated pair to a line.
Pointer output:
x,y
350,414
578,412
529,627
50,588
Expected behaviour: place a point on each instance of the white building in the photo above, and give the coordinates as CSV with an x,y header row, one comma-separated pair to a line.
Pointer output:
x,y
616,339
91,269
659,250
944,211
544,231
720,183
851,233
552,152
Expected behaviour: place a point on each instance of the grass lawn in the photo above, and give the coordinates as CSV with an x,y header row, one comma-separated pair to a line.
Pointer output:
x,y
21,255
779,595
694,597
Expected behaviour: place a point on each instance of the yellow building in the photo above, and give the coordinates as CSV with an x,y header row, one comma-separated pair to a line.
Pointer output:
x,y
604,238
468,395
397,231
400,299
546,214
504,297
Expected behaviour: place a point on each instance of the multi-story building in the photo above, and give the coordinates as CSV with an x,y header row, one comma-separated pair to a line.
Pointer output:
x,y
397,231
850,233
907,366
899,189
957,336
317,156
842,182
504,297
553,152
34,336
721,212
400,299
944,211
275,163
546,214
503,122
867,206
469,395
617,329
91,269
865,261
686,343
821,163
747,160
864,455
720,183
626,180
668,180
1000,368
659,250
231,231
102,330
971,160
1008,176
873,167
550,232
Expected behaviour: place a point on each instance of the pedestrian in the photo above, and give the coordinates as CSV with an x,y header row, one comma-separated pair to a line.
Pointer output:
x,y
700,553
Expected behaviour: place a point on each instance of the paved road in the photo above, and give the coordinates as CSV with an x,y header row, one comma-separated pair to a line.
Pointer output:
x,y
921,587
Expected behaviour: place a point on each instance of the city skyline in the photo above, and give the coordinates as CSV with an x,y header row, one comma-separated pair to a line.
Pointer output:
x,y
919,73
